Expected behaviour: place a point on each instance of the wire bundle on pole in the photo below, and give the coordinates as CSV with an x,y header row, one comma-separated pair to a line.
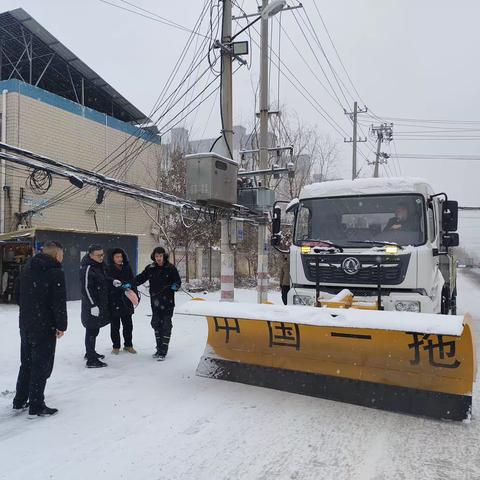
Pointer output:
x,y
39,181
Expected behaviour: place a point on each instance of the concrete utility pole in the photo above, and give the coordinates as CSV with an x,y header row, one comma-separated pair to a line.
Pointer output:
x,y
354,117
226,259
377,155
264,107
262,250
383,132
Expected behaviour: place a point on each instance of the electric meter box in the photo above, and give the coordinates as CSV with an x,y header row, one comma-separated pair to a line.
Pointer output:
x,y
211,179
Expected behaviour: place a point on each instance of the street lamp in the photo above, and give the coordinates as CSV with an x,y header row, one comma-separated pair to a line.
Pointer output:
x,y
269,11
273,8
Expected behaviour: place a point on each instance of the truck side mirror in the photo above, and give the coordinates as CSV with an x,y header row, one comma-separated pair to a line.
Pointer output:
x,y
450,240
276,221
450,216
276,238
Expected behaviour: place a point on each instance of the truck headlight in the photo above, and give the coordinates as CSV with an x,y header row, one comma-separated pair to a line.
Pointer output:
x,y
407,306
302,300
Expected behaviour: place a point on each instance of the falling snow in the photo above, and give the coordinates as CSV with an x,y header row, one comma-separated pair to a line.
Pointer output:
x,y
142,419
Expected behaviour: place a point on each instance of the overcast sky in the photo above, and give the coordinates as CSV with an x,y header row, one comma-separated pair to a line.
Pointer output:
x,y
407,59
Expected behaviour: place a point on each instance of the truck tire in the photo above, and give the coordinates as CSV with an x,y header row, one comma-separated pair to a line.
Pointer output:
x,y
445,308
453,302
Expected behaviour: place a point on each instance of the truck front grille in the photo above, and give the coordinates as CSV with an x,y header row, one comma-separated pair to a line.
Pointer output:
x,y
392,269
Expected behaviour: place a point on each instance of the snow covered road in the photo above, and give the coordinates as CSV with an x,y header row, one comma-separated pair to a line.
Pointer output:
x,y
142,419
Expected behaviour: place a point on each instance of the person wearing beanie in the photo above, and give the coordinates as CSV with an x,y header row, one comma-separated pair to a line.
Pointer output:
x,y
164,281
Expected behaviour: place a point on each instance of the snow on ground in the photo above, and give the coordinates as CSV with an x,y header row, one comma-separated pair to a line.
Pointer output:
x,y
142,419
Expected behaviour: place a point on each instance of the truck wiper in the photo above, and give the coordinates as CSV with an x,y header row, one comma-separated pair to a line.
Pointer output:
x,y
377,242
329,244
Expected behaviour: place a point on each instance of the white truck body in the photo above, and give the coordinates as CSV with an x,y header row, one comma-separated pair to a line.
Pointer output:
x,y
348,213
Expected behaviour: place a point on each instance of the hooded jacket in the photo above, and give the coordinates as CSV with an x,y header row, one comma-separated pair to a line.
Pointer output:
x,y
42,295
95,292
161,279
120,305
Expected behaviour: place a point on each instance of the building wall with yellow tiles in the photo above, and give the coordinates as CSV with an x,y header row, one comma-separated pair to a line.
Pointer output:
x,y
61,135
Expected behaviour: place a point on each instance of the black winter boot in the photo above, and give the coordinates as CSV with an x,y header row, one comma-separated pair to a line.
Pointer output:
x,y
41,411
20,405
95,363
98,355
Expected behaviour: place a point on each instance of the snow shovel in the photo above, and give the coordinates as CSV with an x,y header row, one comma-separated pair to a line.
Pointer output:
x,y
414,363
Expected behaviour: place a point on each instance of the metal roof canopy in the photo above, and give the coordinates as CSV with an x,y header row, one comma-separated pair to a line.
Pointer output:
x,y
28,233
33,55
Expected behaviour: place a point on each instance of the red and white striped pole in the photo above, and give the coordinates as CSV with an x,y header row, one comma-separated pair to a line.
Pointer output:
x,y
262,264
226,265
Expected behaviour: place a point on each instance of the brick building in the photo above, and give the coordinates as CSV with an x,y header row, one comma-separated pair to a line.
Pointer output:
x,y
55,105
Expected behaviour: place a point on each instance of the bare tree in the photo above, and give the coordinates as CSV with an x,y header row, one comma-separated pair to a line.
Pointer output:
x,y
185,227
315,155
247,249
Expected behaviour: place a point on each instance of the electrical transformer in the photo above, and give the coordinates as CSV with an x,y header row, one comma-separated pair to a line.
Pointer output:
x,y
211,179
258,199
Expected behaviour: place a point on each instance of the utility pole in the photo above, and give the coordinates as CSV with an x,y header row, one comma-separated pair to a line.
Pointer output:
x,y
383,132
264,107
262,247
226,258
354,117
377,155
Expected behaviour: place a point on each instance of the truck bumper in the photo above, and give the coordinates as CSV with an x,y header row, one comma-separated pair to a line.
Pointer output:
x,y
395,301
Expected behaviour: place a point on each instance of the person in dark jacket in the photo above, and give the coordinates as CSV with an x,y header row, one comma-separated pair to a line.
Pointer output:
x,y
43,319
285,278
95,310
121,308
402,220
164,281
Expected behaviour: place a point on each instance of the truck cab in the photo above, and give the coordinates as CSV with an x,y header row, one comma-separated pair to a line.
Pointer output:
x,y
385,240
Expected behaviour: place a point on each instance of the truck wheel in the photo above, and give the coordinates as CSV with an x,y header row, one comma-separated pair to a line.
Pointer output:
x,y
453,303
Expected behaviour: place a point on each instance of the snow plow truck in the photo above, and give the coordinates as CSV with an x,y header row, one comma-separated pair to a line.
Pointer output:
x,y
371,315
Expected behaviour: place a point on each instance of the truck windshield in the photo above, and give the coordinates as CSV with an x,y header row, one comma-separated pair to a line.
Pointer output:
x,y
344,220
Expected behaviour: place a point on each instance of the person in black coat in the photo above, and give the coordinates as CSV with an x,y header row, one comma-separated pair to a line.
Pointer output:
x,y
402,220
43,319
164,281
121,308
95,287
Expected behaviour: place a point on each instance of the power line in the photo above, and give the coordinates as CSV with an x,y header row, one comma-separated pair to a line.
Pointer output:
x,y
425,156
155,17
299,85
435,139
337,78
307,95
70,192
316,38
317,59
334,98
338,55
435,121
173,99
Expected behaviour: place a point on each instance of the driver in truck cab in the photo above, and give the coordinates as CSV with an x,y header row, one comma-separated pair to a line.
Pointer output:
x,y
402,219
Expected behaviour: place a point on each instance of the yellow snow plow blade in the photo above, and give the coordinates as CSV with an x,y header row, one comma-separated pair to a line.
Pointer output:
x,y
406,362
